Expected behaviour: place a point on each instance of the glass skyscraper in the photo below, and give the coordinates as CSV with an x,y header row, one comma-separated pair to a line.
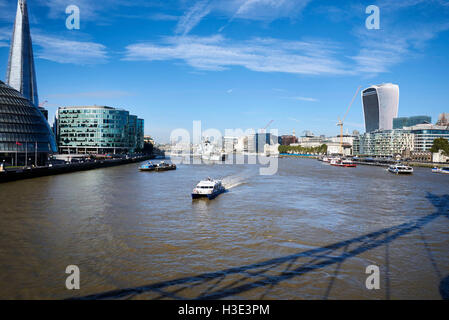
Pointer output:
x,y
25,136
380,106
21,73
98,130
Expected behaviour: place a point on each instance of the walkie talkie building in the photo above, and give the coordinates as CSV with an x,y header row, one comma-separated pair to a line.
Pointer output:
x,y
380,106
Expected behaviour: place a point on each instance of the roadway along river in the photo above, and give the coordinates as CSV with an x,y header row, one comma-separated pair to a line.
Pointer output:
x,y
308,232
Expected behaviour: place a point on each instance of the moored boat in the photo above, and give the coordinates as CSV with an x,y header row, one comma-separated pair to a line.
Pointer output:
x,y
148,166
441,170
208,188
343,163
400,169
164,166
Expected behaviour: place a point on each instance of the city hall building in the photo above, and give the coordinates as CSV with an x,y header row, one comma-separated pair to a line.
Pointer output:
x,y
98,130
25,136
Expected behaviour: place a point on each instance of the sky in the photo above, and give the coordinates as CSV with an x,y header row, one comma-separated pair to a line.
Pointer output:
x,y
237,63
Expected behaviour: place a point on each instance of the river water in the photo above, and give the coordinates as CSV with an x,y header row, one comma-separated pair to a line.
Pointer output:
x,y
307,232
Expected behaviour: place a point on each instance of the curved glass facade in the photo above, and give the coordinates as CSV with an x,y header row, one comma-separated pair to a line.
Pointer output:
x,y
22,126
380,106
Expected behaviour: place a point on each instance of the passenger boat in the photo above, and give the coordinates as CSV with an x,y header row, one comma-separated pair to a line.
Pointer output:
x,y
149,166
164,166
441,170
343,163
400,169
208,189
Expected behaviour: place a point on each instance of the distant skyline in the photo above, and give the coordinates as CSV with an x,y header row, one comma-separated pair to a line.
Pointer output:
x,y
237,63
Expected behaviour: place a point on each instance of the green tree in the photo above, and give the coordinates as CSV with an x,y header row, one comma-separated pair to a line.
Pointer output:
x,y
440,144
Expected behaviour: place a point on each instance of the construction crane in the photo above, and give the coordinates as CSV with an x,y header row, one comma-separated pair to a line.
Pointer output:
x,y
341,121
42,104
266,127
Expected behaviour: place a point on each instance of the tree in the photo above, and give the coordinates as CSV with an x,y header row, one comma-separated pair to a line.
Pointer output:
x,y
440,144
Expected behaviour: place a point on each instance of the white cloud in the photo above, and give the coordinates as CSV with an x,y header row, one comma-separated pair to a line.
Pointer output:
x,y
93,94
164,17
263,55
5,34
383,49
299,98
266,10
69,51
269,9
193,16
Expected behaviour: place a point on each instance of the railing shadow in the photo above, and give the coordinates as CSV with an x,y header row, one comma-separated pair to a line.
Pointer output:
x,y
266,274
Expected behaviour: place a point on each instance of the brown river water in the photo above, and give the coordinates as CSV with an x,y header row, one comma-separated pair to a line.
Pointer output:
x,y
308,232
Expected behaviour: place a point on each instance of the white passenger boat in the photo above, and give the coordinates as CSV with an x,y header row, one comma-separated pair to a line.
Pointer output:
x,y
441,170
400,169
208,189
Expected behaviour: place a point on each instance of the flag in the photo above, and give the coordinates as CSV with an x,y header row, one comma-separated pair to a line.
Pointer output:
x,y
18,143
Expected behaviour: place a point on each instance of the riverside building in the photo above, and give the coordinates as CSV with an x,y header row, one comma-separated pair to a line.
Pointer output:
x,y
399,123
425,134
385,143
98,130
25,136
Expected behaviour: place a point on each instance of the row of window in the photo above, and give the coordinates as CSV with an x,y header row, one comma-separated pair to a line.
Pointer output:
x,y
23,128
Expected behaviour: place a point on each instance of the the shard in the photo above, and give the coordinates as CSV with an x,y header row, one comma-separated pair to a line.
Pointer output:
x,y
21,74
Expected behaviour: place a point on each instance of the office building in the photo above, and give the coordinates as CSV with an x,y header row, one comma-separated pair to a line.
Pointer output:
x,y
399,123
21,73
98,130
25,136
287,140
443,119
425,134
380,106
257,141
386,143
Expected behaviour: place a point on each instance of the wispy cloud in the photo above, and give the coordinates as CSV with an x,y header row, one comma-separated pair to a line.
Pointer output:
x,y
63,50
92,94
96,11
383,49
5,34
261,54
299,98
266,10
294,119
164,17
269,9
193,16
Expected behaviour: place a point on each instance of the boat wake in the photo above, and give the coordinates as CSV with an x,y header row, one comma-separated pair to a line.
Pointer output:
x,y
236,180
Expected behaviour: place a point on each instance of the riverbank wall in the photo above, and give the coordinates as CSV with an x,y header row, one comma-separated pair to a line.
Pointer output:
x,y
29,173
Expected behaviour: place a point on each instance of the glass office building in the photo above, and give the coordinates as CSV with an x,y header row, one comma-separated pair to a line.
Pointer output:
x,y
384,143
25,136
380,106
97,130
425,134
399,123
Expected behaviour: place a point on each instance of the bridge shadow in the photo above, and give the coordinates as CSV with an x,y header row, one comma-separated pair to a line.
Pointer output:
x,y
267,274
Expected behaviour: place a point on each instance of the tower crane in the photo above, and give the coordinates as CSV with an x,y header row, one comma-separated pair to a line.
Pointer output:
x,y
268,124
341,121
42,104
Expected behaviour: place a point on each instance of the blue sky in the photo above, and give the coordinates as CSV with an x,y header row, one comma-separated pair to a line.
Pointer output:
x,y
237,63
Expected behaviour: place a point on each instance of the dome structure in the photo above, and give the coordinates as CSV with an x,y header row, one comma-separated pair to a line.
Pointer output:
x,y
22,128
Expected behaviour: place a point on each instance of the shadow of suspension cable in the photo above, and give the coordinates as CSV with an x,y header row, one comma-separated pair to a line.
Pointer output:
x,y
266,274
